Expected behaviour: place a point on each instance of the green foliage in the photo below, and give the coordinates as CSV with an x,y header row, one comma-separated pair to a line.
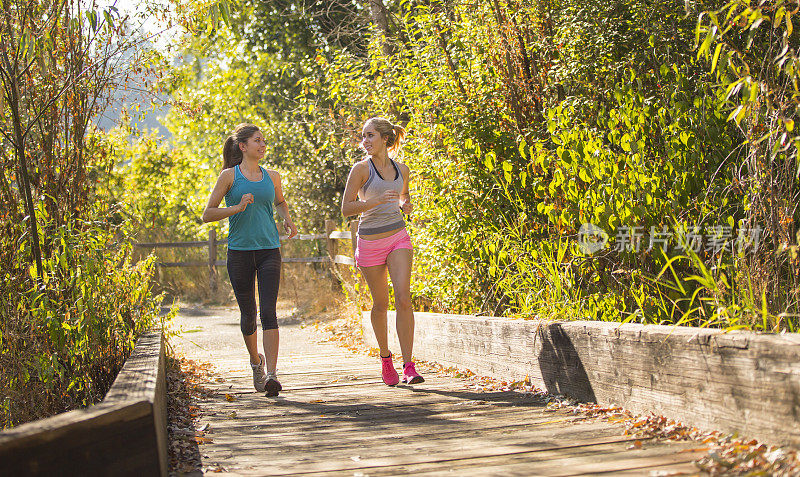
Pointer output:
x,y
63,342
526,120
253,72
160,189
620,128
71,302
751,49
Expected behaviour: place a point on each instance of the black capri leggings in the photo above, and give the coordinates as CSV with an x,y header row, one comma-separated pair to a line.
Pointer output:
x,y
244,266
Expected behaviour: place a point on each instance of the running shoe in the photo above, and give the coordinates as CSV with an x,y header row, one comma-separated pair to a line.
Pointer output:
x,y
410,374
272,386
259,377
388,373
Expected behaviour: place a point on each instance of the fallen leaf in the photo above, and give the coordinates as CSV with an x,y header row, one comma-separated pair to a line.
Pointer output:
x,y
636,445
230,397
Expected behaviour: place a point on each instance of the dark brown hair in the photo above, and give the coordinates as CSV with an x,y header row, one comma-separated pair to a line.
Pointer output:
x,y
231,153
394,133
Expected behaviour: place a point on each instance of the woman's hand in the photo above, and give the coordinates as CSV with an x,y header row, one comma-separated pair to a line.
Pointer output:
x,y
246,199
389,196
290,228
407,207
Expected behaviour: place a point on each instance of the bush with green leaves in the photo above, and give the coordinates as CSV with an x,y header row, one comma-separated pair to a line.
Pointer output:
x,y
71,301
528,119
65,334
500,196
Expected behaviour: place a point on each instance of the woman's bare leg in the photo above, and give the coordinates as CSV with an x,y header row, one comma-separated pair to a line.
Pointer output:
x,y
251,341
271,341
399,264
379,289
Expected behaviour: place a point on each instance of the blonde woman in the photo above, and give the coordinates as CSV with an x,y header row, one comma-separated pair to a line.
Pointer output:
x,y
377,188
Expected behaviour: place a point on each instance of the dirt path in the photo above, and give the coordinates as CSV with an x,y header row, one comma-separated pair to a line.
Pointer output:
x,y
335,417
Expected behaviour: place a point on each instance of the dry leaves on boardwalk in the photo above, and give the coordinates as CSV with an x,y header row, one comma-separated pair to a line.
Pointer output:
x,y
183,392
727,455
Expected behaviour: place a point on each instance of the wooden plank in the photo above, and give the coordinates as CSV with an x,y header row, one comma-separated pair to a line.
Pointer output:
x,y
738,382
305,259
142,374
212,260
486,419
193,263
331,245
222,263
304,413
305,237
204,243
123,435
340,234
600,459
109,440
354,234
344,260
438,433
378,457
334,408
188,244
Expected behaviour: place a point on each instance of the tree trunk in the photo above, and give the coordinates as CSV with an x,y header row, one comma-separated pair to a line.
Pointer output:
x,y
25,183
380,18
12,74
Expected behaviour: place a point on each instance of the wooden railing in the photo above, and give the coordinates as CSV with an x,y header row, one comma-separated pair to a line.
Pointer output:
x,y
331,235
125,434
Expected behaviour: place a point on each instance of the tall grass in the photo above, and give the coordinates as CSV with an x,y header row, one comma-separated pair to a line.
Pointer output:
x,y
553,280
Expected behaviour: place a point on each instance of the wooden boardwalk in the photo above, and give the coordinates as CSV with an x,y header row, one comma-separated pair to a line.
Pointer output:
x,y
336,417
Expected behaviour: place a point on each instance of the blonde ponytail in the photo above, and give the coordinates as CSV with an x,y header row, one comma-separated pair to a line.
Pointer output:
x,y
394,133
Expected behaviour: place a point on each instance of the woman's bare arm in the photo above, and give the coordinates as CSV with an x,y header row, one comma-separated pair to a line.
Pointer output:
x,y
213,212
351,204
405,195
281,206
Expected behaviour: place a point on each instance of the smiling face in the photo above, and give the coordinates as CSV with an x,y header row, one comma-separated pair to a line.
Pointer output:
x,y
372,142
255,146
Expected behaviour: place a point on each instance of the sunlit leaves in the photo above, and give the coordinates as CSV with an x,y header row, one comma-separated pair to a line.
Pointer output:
x,y
737,65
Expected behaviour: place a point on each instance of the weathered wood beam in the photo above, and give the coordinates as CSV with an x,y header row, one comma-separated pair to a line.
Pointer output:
x,y
126,434
741,382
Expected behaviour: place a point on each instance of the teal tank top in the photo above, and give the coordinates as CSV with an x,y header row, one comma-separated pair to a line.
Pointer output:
x,y
254,228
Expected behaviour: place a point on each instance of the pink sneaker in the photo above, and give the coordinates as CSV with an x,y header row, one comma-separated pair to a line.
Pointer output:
x,y
388,372
410,374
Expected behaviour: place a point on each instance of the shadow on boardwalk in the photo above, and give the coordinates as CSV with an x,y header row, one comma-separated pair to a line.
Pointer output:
x,y
336,417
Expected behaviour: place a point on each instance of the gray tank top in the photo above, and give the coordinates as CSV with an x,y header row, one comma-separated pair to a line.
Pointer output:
x,y
383,217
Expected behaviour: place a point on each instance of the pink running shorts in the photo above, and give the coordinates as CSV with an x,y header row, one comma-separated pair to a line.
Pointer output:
x,y
370,253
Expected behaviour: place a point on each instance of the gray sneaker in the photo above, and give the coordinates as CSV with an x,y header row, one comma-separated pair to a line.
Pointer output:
x,y
272,386
259,376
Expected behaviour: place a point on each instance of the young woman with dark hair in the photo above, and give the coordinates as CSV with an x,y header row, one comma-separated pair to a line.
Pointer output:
x,y
250,192
377,188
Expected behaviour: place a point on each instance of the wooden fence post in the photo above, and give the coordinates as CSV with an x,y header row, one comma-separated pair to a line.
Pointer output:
x,y
212,259
330,227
